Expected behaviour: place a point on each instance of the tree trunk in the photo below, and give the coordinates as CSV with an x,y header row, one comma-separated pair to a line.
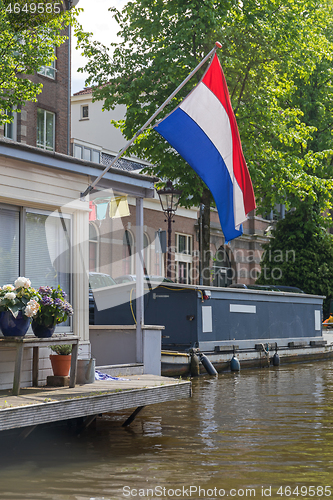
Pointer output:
x,y
206,257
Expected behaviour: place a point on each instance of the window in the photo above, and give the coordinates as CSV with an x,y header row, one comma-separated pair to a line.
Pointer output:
x,y
127,253
77,153
183,258
10,128
183,244
86,153
49,71
278,212
146,253
183,272
35,244
45,129
93,247
222,271
49,261
9,245
85,112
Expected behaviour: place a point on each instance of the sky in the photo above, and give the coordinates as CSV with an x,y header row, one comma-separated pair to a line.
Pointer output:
x,y
99,21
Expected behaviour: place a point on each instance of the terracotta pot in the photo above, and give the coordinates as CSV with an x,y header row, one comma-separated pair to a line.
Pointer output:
x,y
61,364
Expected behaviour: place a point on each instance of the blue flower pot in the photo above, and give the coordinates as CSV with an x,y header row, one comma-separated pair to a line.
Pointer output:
x,y
14,327
42,331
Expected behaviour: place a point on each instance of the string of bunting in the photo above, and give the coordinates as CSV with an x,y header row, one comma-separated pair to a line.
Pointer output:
x,y
115,207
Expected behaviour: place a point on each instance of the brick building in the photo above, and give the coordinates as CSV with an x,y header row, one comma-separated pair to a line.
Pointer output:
x,y
112,244
46,123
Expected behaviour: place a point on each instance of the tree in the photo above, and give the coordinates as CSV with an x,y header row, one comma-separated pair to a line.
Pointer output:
x,y
266,47
303,232
300,253
27,42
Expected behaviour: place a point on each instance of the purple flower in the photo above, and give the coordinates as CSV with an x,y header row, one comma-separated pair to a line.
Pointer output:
x,y
68,308
45,290
47,301
58,303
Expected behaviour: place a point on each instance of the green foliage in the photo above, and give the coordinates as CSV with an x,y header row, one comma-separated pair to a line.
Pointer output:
x,y
276,55
27,42
53,306
300,253
277,59
19,298
63,350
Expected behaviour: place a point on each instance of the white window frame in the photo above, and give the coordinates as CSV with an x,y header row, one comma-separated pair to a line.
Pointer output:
x,y
44,69
81,112
43,146
131,257
79,150
184,257
14,125
188,271
96,243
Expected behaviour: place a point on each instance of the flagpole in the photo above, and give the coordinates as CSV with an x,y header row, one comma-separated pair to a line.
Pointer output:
x,y
148,122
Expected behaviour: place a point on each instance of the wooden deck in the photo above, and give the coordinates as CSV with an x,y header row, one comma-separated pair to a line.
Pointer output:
x,y
42,405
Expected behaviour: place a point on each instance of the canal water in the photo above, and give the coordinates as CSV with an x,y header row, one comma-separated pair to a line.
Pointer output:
x,y
257,434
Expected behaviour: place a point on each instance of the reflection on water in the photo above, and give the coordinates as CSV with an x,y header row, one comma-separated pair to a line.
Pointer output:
x,y
263,428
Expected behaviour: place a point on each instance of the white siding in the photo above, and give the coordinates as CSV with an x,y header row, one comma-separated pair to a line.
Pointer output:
x,y
7,363
35,185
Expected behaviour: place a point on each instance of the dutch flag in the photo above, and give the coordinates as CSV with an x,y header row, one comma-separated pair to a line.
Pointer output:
x,y
204,131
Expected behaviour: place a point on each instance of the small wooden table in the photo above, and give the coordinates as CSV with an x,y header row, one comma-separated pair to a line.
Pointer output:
x,y
30,341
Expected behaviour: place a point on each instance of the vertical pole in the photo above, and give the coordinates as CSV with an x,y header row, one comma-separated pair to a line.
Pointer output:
x,y
200,246
139,280
160,272
169,216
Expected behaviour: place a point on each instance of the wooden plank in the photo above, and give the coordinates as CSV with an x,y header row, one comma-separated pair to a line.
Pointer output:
x,y
18,369
65,409
72,380
35,361
31,341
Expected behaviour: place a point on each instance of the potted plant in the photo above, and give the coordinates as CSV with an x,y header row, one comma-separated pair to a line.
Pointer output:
x,y
53,309
61,361
18,304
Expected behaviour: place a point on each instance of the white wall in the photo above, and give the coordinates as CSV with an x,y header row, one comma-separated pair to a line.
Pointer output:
x,y
97,129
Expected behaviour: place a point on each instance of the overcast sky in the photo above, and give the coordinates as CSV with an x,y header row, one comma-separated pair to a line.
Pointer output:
x,y
96,19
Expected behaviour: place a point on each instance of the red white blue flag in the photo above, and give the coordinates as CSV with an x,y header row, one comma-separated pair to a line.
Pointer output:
x,y
204,131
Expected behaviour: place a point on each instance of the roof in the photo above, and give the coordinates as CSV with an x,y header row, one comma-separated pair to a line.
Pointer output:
x,y
122,163
87,90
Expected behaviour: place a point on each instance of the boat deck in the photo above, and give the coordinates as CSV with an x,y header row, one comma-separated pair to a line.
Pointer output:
x,y
40,405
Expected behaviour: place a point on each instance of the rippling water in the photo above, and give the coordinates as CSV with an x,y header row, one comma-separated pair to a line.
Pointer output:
x,y
267,428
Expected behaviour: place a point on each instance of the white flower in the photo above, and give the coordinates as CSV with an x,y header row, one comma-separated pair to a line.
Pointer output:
x,y
8,288
10,296
31,308
33,304
22,282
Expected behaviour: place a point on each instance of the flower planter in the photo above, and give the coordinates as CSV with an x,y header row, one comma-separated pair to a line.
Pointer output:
x,y
14,327
42,331
61,364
